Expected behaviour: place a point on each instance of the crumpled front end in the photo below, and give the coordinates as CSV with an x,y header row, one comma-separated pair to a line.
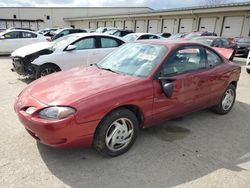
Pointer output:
x,y
23,65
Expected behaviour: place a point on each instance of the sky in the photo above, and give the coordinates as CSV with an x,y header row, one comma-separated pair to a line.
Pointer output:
x,y
155,4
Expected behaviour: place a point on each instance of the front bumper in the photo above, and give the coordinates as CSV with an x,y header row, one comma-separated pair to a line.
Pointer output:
x,y
22,67
66,133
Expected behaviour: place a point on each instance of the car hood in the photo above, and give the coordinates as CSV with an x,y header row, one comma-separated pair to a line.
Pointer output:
x,y
30,49
68,87
225,52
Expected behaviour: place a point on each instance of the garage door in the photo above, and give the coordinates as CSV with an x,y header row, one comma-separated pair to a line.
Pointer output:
x,y
17,24
40,25
207,24
153,26
10,24
25,25
186,25
109,24
129,25
232,26
119,24
168,26
92,25
33,26
140,26
100,24
3,24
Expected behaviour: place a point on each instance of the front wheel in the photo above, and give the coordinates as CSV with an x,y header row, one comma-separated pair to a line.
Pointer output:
x,y
116,133
46,69
248,71
227,101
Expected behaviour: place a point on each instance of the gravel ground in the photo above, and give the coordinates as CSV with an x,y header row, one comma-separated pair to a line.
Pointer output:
x,y
199,150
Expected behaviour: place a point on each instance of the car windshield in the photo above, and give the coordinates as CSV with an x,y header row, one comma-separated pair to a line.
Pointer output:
x,y
244,40
111,32
192,35
61,42
135,59
131,38
206,41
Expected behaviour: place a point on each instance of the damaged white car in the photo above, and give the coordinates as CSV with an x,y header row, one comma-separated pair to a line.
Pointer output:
x,y
74,50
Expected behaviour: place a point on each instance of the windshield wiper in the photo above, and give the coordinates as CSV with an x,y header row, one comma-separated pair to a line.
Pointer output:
x,y
107,69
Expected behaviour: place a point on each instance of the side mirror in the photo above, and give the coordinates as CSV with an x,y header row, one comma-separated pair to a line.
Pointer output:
x,y
167,86
70,48
2,37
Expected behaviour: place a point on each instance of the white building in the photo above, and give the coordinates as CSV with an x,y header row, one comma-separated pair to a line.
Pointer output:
x,y
40,17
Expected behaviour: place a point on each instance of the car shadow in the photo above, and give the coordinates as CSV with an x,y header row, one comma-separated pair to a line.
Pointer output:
x,y
176,152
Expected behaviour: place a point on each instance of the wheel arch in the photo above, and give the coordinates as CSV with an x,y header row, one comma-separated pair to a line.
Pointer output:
x,y
53,64
234,83
136,110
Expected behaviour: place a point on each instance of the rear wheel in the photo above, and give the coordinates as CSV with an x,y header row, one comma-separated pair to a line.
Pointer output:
x,y
46,69
248,71
227,101
116,133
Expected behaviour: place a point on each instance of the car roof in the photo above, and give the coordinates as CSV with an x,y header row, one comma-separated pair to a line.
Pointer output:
x,y
7,31
170,43
79,35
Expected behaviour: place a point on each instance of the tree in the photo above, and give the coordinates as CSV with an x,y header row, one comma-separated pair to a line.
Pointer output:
x,y
215,2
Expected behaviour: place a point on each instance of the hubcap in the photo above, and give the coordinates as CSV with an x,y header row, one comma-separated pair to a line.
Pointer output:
x,y
119,134
47,71
228,99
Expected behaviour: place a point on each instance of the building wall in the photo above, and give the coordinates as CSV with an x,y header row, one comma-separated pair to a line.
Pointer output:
x,y
176,19
57,15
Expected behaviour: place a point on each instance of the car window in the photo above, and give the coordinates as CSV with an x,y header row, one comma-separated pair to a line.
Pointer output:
x,y
87,43
117,33
28,35
184,60
13,35
153,37
63,33
212,58
109,42
143,37
225,42
217,43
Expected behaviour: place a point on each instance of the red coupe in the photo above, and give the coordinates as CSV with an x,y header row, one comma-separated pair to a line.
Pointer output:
x,y
137,86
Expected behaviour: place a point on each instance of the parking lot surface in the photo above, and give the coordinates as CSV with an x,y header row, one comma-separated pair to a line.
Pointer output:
x,y
199,150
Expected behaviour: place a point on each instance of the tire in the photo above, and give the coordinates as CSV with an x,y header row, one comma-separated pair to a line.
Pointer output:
x,y
226,104
46,69
119,126
248,71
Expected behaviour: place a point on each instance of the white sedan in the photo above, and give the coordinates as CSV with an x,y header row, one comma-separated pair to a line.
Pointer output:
x,y
11,40
81,49
140,36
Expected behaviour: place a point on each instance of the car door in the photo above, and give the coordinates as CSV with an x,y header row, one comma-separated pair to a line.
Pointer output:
x,y
105,45
28,38
186,69
11,41
80,56
217,75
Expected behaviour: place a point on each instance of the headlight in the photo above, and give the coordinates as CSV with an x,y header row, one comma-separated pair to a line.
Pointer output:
x,y
56,112
30,110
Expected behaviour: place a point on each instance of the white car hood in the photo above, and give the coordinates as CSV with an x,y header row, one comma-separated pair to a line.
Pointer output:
x,y
30,49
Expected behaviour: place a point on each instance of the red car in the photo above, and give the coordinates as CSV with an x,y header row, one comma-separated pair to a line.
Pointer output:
x,y
137,86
